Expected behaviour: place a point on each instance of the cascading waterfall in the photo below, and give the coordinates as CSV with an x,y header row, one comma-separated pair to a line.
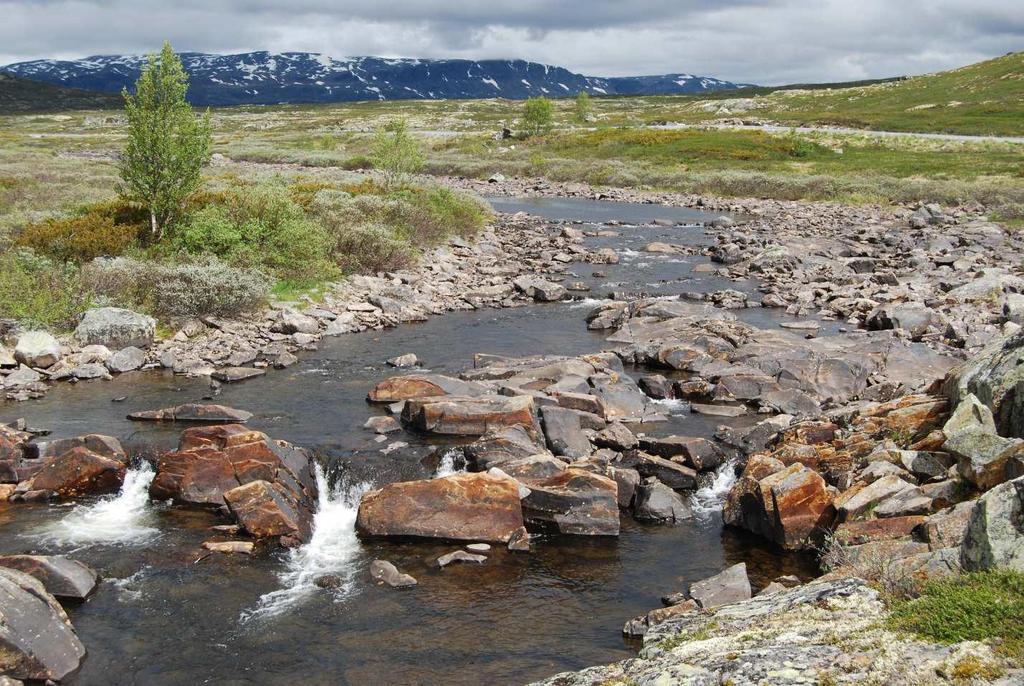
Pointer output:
x,y
447,466
708,500
332,550
119,520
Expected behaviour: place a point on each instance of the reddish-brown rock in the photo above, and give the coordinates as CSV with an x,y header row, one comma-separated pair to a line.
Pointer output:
x,y
468,416
77,472
194,412
265,509
575,501
791,507
891,528
468,507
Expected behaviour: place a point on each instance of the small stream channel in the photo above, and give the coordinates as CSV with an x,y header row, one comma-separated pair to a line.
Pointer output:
x,y
160,617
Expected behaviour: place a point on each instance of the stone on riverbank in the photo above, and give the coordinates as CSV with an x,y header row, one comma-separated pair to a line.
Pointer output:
x,y
467,416
194,412
995,530
574,501
37,641
398,388
656,502
264,510
78,471
116,328
37,349
465,507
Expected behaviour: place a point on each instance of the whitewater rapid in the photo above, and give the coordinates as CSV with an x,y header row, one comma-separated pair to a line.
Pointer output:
x,y
123,519
333,549
707,501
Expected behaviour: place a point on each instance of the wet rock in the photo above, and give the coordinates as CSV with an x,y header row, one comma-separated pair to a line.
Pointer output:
x,y
126,360
382,424
725,588
194,412
396,388
230,547
627,480
468,507
656,386
235,374
460,556
698,453
995,531
534,468
502,445
656,502
407,360
384,572
574,501
37,641
79,471
61,576
93,370
519,541
37,349
673,474
718,410
213,460
539,289
792,402
564,434
467,416
791,507
116,328
267,510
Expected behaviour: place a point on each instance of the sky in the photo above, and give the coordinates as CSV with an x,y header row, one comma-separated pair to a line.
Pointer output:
x,y
767,42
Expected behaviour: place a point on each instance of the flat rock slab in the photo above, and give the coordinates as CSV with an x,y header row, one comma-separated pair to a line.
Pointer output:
x,y
194,412
62,577
718,410
233,374
466,507
397,388
460,556
725,588
467,416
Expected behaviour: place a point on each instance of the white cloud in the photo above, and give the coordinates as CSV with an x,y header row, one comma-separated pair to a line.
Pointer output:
x,y
762,41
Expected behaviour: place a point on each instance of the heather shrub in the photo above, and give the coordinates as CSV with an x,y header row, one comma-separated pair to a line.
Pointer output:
x,y
38,291
100,229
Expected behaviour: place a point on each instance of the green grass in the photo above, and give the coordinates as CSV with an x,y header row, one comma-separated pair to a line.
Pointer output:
x,y
971,607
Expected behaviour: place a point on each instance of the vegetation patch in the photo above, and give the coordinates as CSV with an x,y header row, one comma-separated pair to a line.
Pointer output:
x,y
970,607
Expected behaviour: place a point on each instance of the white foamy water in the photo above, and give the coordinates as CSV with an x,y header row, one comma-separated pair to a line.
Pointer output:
x,y
674,406
332,550
446,467
123,519
708,500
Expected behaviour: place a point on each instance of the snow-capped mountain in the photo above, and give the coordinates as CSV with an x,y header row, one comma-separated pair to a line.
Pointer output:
x,y
296,77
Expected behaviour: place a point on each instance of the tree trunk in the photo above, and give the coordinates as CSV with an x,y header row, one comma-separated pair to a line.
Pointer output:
x,y
152,223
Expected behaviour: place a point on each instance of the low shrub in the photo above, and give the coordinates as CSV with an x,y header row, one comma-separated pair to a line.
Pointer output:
x,y
370,248
969,607
206,286
357,162
38,291
100,229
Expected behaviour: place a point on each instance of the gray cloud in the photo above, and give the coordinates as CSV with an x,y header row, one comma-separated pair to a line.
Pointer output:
x,y
763,41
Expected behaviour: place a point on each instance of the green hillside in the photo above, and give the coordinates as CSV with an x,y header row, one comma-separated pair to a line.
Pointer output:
x,y
23,95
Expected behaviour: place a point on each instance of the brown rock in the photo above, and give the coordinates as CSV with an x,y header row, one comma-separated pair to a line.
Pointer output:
x,y
856,533
194,412
467,507
77,472
410,386
265,509
575,501
790,507
468,416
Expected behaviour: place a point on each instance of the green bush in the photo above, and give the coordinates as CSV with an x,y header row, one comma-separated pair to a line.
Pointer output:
x,y
260,226
370,248
970,607
37,291
538,116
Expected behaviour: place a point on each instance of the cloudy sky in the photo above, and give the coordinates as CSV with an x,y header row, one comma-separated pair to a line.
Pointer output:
x,y
760,41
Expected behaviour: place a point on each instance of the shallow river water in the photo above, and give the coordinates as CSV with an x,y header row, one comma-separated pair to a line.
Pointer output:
x,y
167,614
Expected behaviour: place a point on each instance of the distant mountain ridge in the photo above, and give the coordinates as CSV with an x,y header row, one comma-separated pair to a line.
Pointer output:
x,y
300,77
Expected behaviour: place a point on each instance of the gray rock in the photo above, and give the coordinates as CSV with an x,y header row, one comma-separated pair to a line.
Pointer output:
x,y
718,410
407,360
62,577
384,572
993,376
233,374
656,502
126,360
995,530
37,641
564,434
460,556
628,480
93,370
672,474
116,328
539,289
289,322
871,495
37,349
617,437
725,588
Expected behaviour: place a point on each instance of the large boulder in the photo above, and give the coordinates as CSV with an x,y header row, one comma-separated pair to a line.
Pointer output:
x,y
500,446
791,507
656,502
213,460
37,349
116,328
467,416
79,471
996,377
467,507
995,531
574,501
564,434
984,458
724,588
37,641
61,576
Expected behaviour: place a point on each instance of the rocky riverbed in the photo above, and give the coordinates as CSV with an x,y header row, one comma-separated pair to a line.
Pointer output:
x,y
851,419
